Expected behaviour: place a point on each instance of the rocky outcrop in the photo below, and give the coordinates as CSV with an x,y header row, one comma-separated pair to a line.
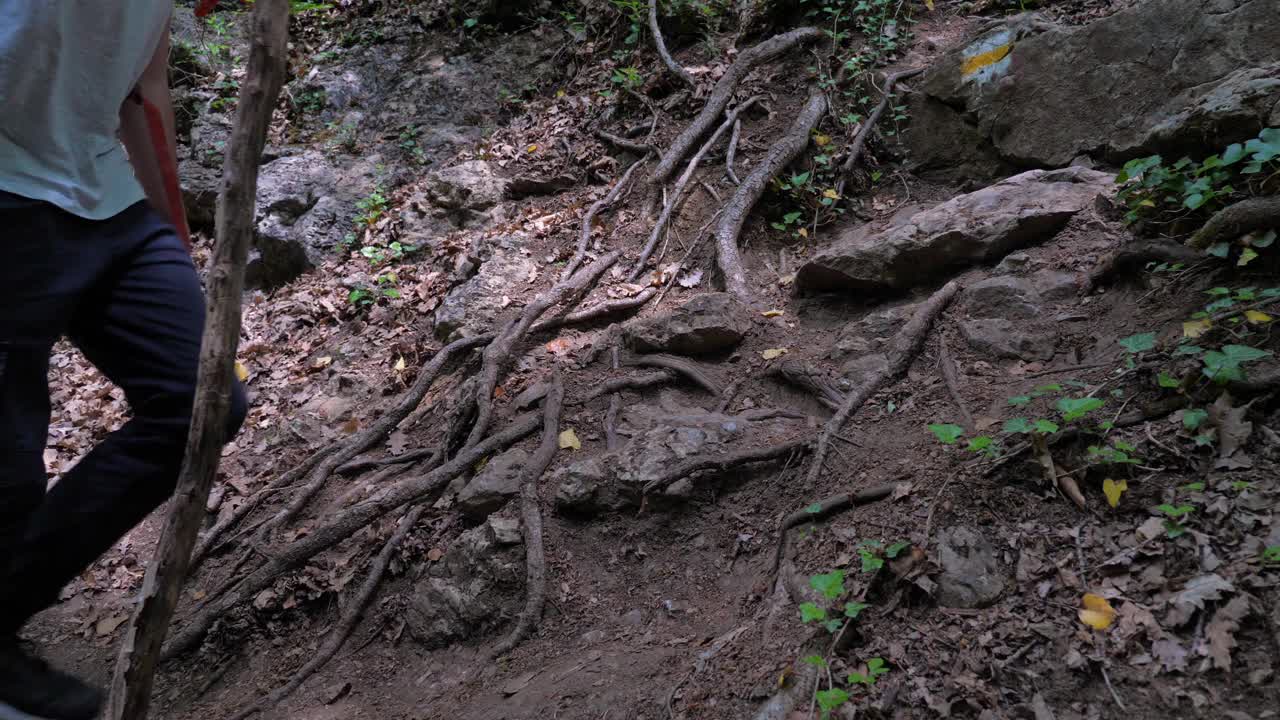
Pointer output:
x,y
471,308
1165,76
981,226
708,323
469,590
493,486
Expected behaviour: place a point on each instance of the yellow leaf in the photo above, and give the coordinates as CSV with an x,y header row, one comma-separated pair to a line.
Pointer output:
x,y
242,372
569,439
821,140
802,232
560,93
1247,256
771,313
830,194
928,4
399,366
322,362
773,353
1196,328
1113,489
532,148
1097,613
1257,318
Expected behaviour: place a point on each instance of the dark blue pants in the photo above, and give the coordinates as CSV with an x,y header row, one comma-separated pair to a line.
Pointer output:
x,y
125,292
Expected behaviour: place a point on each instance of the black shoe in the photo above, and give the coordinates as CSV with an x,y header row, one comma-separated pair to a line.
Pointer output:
x,y
31,690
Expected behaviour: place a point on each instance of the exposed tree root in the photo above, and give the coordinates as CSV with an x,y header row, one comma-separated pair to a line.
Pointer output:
x,y
346,624
682,186
595,312
822,509
1229,223
723,92
685,367
584,238
731,155
531,514
950,376
748,194
500,349
811,378
661,46
636,147
869,126
343,525
630,382
902,350
725,462
1134,256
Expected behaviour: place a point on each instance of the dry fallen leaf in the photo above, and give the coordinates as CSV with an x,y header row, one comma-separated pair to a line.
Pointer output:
x,y
569,439
109,625
1256,317
350,426
1193,596
772,313
1097,613
434,554
1221,631
321,362
1113,489
399,366
242,372
1196,328
773,353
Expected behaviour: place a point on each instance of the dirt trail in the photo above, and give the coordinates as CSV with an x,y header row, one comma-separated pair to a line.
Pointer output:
x,y
665,604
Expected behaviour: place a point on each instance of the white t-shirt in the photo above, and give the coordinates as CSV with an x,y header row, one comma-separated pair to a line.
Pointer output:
x,y
66,66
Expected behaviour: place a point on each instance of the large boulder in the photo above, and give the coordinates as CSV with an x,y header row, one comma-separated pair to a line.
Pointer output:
x,y
1164,76
977,227
708,323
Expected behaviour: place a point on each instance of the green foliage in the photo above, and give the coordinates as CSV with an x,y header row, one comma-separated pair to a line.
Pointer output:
x,y
370,208
810,612
1271,556
1223,366
829,700
310,101
628,77
831,584
408,142
853,609
947,433
875,668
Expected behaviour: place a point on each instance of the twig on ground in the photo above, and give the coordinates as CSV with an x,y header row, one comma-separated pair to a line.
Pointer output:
x,y
584,237
1072,369
823,508
673,202
661,46
951,377
868,126
685,367
792,143
722,462
902,351
531,514
723,92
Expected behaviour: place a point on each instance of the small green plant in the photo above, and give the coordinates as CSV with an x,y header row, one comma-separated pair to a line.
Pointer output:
x,y
1271,556
408,143
628,77
311,101
1070,410
370,208
636,14
875,668
1174,515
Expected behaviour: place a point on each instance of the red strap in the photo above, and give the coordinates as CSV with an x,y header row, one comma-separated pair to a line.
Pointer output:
x,y
168,169
205,7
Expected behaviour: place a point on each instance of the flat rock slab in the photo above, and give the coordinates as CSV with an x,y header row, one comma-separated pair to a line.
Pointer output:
x,y
971,575
708,323
981,226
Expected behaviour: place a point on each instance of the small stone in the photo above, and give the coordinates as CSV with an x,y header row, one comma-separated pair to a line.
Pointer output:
x,y
681,489
591,637
1056,285
497,483
1004,296
1014,262
635,617
506,531
971,575
1003,338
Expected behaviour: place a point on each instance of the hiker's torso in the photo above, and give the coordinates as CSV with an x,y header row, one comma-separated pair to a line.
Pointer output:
x,y
66,66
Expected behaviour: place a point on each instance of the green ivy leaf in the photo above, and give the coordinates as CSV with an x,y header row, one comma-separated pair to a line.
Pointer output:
x,y
814,509
1192,419
1141,342
1076,408
1173,529
815,660
1233,154
1188,350
893,550
981,443
1173,512
870,561
1194,487
831,584
829,700
1271,555
1244,353
876,667
1046,427
810,612
947,433
853,609
1020,400
1265,147
833,626
1165,380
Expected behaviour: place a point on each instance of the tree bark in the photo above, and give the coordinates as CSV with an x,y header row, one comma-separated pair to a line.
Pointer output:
x,y
135,671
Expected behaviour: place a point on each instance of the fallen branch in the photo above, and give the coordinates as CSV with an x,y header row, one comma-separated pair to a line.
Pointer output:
x,y
860,140
792,143
1229,223
500,349
724,462
723,92
950,376
822,509
345,524
685,367
1060,480
661,46
140,653
584,237
531,514
902,350
811,378
682,186
348,622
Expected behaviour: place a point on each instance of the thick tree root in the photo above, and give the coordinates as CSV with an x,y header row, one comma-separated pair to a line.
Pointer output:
x,y
902,351
811,378
731,155
1133,257
725,462
636,147
682,186
661,47
630,382
869,126
345,524
1229,223
584,237
822,509
951,377
685,367
531,515
723,92
500,349
748,194
346,624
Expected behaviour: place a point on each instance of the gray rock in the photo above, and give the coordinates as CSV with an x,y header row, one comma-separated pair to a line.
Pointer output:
x,y
708,323
1014,262
497,483
464,593
1006,339
506,531
971,575
1056,285
1163,76
1003,296
977,227
472,307
860,368
870,332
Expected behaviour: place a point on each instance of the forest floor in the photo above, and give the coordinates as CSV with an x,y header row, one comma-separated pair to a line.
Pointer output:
x,y
673,608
